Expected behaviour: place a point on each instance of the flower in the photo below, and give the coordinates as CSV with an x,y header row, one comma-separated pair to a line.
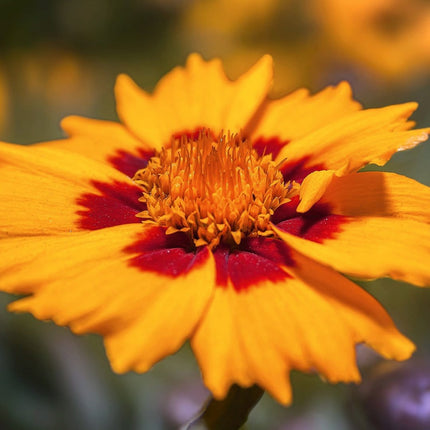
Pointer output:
x,y
391,38
215,214
382,43
224,18
4,100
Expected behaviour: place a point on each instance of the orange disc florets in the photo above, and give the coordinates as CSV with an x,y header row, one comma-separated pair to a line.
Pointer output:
x,y
214,189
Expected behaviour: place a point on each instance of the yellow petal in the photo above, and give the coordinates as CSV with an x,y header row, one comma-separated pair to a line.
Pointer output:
x,y
357,139
313,187
364,317
40,188
29,262
222,357
298,114
308,322
92,285
199,95
373,247
166,312
99,140
378,194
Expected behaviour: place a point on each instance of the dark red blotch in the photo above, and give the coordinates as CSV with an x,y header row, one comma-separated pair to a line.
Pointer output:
x,y
317,224
129,163
168,254
193,134
257,259
297,170
113,204
271,145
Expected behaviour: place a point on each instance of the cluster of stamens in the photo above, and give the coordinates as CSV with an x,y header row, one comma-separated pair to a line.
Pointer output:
x,y
214,189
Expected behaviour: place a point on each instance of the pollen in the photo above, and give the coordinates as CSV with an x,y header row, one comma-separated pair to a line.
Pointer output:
x,y
215,189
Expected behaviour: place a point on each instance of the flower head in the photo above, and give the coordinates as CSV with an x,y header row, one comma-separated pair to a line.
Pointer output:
x,y
391,38
4,100
217,190
215,214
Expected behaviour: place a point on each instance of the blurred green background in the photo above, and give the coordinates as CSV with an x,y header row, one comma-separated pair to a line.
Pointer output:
x,y
61,57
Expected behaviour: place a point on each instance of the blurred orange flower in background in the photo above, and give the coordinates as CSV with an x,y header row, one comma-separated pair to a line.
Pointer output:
x,y
250,208
389,37
4,101
61,78
237,32
224,17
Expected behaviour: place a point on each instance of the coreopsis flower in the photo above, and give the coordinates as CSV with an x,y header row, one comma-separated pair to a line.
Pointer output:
x,y
4,100
227,18
391,38
214,214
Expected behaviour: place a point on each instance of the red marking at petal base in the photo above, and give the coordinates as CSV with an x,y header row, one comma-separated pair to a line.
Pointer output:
x,y
298,170
257,261
318,224
221,256
129,163
193,134
115,203
286,211
166,254
271,249
171,262
155,238
271,145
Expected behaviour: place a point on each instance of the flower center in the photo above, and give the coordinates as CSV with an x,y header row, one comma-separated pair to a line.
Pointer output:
x,y
214,189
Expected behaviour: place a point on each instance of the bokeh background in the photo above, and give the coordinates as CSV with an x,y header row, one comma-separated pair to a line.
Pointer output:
x,y
61,57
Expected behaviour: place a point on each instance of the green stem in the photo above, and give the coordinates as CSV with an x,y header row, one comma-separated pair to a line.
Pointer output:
x,y
230,413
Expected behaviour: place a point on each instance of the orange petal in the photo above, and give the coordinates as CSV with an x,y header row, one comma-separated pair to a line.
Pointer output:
x,y
222,357
378,194
298,114
356,139
166,311
309,322
196,96
104,141
373,247
313,187
28,263
366,319
40,188
92,286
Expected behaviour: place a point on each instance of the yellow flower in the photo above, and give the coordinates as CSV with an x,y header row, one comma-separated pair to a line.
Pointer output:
x,y
4,101
215,214
226,17
57,77
389,37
